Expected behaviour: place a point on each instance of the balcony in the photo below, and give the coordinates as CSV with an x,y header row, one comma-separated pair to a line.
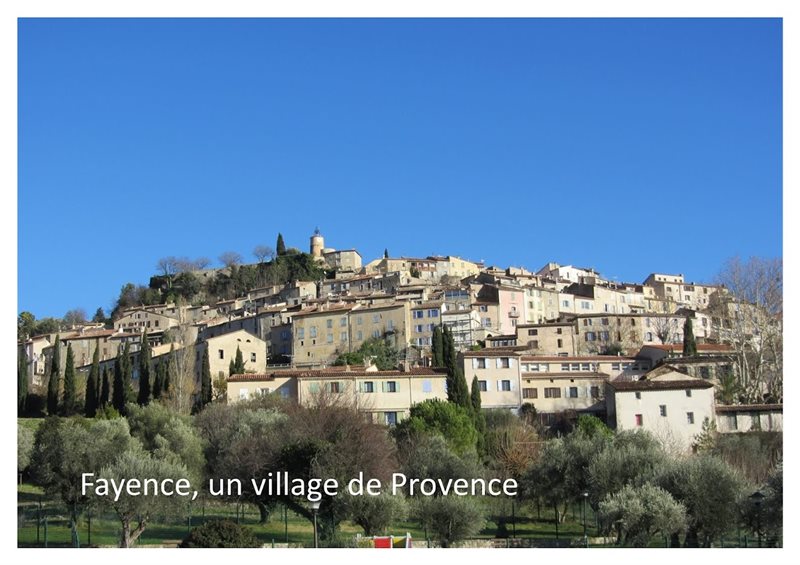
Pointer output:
x,y
513,314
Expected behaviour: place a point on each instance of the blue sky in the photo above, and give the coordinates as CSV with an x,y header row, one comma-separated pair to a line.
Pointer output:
x,y
629,145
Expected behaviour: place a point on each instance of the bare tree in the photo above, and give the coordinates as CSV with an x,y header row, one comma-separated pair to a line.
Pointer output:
x,y
666,328
183,387
230,258
201,263
74,317
749,317
168,266
261,252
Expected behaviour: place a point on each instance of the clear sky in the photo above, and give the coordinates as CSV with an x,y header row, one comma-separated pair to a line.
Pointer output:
x,y
631,146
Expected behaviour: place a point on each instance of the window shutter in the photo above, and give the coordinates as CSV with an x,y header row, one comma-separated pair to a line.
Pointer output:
x,y
359,387
512,385
499,364
474,362
512,362
397,386
566,392
383,386
499,384
588,391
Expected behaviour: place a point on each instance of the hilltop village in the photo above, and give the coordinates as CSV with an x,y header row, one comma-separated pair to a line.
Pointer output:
x,y
666,354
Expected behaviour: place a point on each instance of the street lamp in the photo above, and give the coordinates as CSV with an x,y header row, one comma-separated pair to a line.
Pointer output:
x,y
315,508
757,498
585,538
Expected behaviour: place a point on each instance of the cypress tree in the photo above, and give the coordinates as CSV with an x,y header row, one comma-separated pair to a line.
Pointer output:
x,y
437,347
386,253
476,395
118,400
689,343
144,371
239,363
22,381
477,415
70,395
91,398
280,247
231,368
54,384
158,380
127,373
105,389
205,380
457,391
171,375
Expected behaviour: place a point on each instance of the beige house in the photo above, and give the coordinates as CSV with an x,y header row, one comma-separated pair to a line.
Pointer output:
x,y
343,260
222,349
384,396
750,417
424,317
140,319
498,375
556,338
667,402
674,289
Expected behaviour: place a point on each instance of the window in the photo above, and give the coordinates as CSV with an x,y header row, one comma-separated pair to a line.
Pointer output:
x,y
587,322
534,343
391,418
433,313
604,321
586,366
367,386
418,314
639,420
505,386
418,328
732,423
482,386
559,331
553,392
705,373
481,363
530,393
427,385
533,332
343,336
585,305
504,363
638,396
301,333
565,303
648,336
376,318
359,335
252,357
243,394
312,332
633,322
590,336
376,333
328,323
560,343
604,336
263,391
222,354
329,337
359,320
595,392
690,417
487,322
390,325
688,393
342,322
662,409
573,392
483,308
391,386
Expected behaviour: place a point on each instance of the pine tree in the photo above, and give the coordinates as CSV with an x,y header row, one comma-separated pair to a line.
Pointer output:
x,y
105,389
118,400
22,381
206,392
689,343
144,371
280,247
92,395
54,384
70,395
437,347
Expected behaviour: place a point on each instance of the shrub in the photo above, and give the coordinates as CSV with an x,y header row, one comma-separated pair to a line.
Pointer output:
x,y
220,533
